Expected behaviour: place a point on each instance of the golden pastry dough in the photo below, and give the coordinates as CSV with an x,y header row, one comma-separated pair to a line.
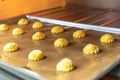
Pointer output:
x,y
17,31
36,55
65,65
3,27
57,29
10,47
38,36
23,21
79,34
37,25
61,42
91,49
107,38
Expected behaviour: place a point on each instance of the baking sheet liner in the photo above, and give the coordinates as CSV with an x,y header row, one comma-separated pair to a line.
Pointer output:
x,y
87,67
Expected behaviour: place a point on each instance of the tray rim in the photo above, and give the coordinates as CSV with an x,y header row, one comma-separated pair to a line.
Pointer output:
x,y
78,25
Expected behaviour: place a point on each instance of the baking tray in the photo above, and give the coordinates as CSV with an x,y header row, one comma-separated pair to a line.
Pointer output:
x,y
17,73
87,67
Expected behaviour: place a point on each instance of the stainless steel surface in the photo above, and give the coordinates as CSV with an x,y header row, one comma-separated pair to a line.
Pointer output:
x,y
88,67
106,4
16,73
87,15
78,25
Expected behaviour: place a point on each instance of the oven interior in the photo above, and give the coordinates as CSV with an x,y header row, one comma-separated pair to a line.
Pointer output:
x,y
93,12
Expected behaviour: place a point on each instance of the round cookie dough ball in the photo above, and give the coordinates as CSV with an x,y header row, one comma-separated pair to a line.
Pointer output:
x,y
79,34
91,49
3,27
17,31
57,29
11,47
107,38
65,65
38,36
35,55
22,21
61,42
37,25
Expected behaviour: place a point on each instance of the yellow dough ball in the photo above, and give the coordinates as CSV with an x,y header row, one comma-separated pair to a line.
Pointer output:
x,y
90,49
38,36
36,55
37,25
57,29
65,65
17,31
79,34
10,47
3,27
23,21
61,42
107,38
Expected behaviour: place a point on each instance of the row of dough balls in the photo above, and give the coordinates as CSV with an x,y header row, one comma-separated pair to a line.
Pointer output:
x,y
65,65
59,43
16,31
39,25
24,21
58,29
107,38
54,30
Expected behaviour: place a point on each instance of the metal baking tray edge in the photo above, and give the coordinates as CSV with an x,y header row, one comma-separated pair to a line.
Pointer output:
x,y
78,25
18,72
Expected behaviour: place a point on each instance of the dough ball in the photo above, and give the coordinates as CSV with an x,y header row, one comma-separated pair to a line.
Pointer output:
x,y
35,55
65,65
4,27
10,47
38,36
17,31
61,42
57,29
37,25
23,21
107,38
79,34
91,49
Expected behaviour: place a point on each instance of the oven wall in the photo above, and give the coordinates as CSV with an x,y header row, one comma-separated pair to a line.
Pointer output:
x,y
112,4
12,8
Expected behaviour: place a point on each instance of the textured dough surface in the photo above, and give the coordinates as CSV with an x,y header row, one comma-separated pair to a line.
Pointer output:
x,y
91,49
107,38
35,55
3,27
10,47
17,31
37,25
61,42
65,65
57,29
38,36
23,21
79,34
